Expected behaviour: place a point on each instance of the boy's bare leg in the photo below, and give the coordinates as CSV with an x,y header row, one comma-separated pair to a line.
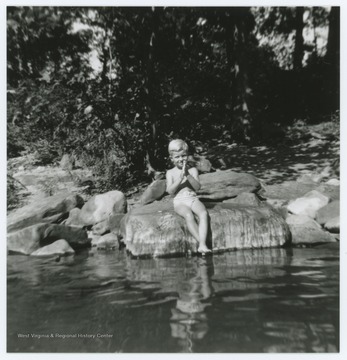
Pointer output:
x,y
199,209
187,214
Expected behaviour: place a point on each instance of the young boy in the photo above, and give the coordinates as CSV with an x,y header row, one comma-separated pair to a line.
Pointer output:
x,y
184,182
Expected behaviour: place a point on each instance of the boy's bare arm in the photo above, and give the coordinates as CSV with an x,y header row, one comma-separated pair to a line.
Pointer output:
x,y
193,178
171,184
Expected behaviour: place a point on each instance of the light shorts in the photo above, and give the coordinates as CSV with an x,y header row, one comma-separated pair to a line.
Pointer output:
x,y
186,197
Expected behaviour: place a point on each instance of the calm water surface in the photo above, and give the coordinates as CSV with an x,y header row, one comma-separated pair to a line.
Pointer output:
x,y
273,300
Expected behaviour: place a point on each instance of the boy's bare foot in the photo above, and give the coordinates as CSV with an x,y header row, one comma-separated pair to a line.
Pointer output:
x,y
203,249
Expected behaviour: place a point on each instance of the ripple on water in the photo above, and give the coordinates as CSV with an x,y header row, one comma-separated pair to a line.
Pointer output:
x,y
269,300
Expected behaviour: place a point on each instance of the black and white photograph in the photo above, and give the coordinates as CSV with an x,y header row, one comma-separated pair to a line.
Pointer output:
x,y
173,178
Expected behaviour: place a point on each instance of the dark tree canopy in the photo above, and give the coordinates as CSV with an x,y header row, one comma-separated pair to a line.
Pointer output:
x,y
114,84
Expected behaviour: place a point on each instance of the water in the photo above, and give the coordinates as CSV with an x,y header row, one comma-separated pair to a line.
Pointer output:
x,y
254,301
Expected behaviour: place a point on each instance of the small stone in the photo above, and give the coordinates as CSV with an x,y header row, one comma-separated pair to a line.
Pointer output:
x,y
108,241
333,225
67,162
60,247
94,238
333,182
309,204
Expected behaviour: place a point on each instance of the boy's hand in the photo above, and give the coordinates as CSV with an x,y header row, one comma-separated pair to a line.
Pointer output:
x,y
184,171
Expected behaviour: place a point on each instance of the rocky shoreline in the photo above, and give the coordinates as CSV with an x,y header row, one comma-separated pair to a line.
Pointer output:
x,y
257,196
244,214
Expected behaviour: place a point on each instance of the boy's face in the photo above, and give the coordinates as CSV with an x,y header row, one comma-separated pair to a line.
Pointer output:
x,y
178,158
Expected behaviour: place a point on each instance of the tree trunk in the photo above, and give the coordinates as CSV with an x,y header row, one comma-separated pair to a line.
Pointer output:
x,y
151,156
299,39
236,38
332,56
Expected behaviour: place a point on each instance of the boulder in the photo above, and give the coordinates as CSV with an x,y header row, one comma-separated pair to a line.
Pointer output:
x,y
155,191
74,218
331,191
310,178
245,199
29,239
93,238
59,247
67,162
108,241
156,230
288,190
333,225
202,164
101,228
327,212
280,205
333,182
309,204
49,210
305,230
222,185
111,224
114,222
100,207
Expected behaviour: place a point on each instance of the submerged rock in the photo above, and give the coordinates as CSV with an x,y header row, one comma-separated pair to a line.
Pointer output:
x,y
108,241
49,210
30,239
156,230
59,247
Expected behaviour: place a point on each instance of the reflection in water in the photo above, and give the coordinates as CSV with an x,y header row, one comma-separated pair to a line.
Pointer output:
x,y
265,300
189,320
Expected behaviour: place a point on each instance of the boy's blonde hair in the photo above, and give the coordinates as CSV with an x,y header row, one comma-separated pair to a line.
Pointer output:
x,y
177,145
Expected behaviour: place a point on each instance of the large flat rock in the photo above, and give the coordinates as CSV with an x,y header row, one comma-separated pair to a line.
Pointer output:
x,y
305,230
48,210
227,184
156,230
290,190
216,186
32,238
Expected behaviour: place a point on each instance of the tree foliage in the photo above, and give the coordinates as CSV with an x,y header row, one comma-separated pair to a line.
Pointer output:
x,y
201,74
